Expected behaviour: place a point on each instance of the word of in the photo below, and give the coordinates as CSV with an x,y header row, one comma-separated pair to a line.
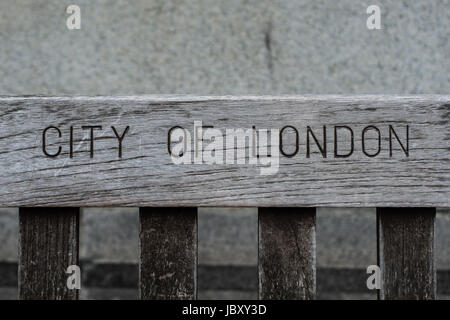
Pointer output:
x,y
52,130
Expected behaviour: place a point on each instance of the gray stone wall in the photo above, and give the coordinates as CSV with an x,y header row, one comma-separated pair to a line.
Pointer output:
x,y
223,47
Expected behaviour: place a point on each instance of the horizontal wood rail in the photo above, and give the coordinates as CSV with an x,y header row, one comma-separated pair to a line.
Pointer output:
x,y
169,155
335,151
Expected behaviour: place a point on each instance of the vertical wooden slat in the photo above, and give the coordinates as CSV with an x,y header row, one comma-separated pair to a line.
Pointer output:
x,y
48,244
168,262
287,253
406,253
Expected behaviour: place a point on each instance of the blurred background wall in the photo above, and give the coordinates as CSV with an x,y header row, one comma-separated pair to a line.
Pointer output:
x,y
218,47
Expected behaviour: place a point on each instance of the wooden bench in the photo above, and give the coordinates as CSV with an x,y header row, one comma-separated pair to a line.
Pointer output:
x,y
285,155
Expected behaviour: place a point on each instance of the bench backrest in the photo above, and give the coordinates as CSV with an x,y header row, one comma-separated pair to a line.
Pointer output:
x,y
337,151
171,154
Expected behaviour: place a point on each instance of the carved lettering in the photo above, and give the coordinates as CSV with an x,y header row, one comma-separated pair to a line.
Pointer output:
x,y
323,148
68,136
120,138
289,155
352,144
44,142
363,141
392,131
92,128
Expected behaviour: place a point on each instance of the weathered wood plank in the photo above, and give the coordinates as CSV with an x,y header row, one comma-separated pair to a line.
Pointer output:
x,y
287,253
48,244
103,151
168,263
406,253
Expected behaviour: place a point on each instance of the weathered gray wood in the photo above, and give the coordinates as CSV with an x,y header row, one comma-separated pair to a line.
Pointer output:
x,y
406,253
287,253
168,263
48,244
135,168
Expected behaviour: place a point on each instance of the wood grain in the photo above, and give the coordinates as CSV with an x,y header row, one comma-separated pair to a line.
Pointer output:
x,y
168,263
140,172
287,253
406,253
48,244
